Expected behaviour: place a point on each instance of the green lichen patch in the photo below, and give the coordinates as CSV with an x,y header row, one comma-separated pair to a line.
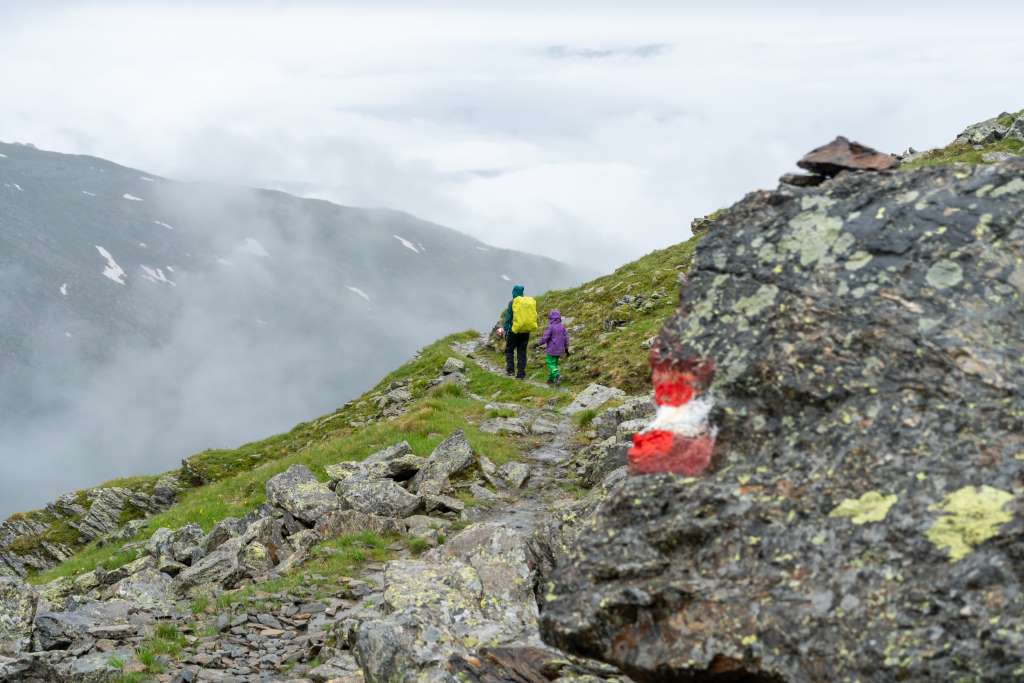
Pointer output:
x,y
972,516
870,507
945,274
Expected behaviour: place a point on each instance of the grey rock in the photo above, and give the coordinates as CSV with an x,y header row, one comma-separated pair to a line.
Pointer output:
x,y
148,589
594,462
17,611
593,397
67,506
453,365
301,543
442,503
867,404
630,427
222,566
503,425
105,512
167,489
184,545
482,492
342,522
607,422
341,668
985,132
1016,129
452,457
515,474
378,497
993,157
477,588
298,491
546,425
62,629
223,530
392,452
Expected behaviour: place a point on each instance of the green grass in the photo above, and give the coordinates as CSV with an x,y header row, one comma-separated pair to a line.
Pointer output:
x,y
615,358
130,678
166,640
200,604
585,417
418,546
962,154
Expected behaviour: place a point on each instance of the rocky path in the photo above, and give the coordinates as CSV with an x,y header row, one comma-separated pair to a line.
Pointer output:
x,y
466,605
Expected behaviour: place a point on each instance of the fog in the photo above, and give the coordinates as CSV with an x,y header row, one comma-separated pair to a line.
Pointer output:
x,y
590,131
259,331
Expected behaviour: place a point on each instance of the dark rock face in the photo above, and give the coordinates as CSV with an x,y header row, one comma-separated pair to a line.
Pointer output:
x,y
862,516
843,155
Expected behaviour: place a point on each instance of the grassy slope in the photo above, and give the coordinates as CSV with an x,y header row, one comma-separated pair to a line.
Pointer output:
x,y
606,338
230,482
955,153
608,347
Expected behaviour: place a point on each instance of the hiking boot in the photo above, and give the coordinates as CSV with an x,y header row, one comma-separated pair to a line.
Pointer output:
x,y
509,373
550,381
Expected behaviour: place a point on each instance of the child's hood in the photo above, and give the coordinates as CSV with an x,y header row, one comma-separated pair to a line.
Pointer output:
x,y
554,316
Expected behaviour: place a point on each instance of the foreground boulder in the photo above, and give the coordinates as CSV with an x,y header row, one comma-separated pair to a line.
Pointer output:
x,y
862,515
452,457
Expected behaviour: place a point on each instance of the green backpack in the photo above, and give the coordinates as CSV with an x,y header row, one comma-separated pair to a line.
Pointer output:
x,y
524,314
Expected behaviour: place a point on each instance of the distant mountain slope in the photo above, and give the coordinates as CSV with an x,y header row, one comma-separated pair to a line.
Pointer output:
x,y
146,304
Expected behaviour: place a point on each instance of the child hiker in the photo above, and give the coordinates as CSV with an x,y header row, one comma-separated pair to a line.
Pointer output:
x,y
556,342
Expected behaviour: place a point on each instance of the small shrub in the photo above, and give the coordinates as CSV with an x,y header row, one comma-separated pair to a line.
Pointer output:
x,y
200,604
584,418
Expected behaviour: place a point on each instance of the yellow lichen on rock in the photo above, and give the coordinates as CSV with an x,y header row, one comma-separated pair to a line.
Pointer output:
x,y
972,516
870,507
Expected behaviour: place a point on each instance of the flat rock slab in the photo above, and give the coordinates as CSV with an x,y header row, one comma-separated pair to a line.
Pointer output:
x,y
381,497
504,425
593,397
844,155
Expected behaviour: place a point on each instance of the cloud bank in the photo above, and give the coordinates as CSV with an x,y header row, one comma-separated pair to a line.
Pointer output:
x,y
589,132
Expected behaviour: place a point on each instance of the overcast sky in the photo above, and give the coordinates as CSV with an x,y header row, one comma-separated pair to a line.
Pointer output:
x,y
588,132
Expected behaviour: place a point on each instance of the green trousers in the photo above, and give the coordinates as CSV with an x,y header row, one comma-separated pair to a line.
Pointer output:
x,y
552,363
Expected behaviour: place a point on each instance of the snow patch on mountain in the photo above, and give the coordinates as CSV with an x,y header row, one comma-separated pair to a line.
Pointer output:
x,y
147,179
407,244
164,225
112,271
88,194
506,278
132,198
156,275
64,289
14,186
3,156
251,246
358,291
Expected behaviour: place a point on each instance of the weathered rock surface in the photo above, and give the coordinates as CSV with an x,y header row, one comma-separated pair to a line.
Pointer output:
x,y
58,630
299,492
475,589
862,517
452,456
381,497
17,611
341,522
514,474
593,397
843,155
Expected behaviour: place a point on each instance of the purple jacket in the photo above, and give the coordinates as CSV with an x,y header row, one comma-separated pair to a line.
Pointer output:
x,y
555,338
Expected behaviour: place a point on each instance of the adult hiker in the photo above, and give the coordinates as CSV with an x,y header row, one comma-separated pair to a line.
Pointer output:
x,y
519,321
555,340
